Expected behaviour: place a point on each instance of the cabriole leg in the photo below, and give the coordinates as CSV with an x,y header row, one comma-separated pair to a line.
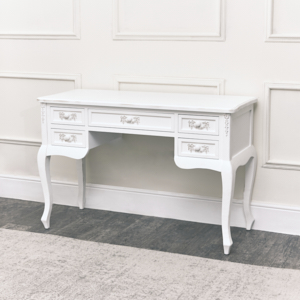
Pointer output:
x,y
44,170
249,182
228,182
81,182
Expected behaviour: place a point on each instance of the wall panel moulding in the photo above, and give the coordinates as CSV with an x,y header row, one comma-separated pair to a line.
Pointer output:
x,y
281,123
193,20
20,91
36,19
169,84
283,22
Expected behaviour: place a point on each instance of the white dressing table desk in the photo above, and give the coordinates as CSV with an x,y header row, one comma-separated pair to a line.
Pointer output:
x,y
210,132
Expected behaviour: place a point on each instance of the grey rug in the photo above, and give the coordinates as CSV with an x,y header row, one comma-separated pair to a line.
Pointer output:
x,y
41,266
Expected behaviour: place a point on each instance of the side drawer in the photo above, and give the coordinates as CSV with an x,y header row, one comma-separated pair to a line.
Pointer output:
x,y
69,138
131,120
198,124
67,116
198,148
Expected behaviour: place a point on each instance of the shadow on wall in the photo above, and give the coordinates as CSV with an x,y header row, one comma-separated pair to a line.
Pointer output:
x,y
144,162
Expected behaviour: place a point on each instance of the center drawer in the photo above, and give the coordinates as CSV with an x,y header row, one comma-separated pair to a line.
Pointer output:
x,y
131,120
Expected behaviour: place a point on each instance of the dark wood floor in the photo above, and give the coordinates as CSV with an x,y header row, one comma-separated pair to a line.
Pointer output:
x,y
196,239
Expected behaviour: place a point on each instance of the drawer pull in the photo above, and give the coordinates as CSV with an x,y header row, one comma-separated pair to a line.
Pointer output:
x,y
200,149
130,120
69,117
69,138
198,125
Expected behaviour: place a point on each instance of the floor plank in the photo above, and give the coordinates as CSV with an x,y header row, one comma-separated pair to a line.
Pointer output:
x,y
189,238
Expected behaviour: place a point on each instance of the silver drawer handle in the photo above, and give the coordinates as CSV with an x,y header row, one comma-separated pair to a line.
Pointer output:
x,y
65,116
198,125
130,120
198,148
69,138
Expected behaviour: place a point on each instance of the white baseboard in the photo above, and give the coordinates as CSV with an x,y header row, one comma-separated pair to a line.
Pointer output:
x,y
273,218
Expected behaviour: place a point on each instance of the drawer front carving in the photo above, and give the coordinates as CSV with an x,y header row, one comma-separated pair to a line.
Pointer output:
x,y
198,148
131,120
68,116
198,124
69,138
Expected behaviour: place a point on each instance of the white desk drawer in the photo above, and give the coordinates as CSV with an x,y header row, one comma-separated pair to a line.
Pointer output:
x,y
131,120
198,148
66,116
69,138
198,124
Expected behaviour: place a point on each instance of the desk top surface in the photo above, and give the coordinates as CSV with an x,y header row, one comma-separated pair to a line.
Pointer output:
x,y
150,100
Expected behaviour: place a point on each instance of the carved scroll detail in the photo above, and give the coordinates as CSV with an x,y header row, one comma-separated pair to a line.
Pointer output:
x,y
130,120
198,125
226,117
200,149
65,116
43,113
67,138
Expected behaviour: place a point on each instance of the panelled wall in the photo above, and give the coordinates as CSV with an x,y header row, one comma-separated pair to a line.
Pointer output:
x,y
185,46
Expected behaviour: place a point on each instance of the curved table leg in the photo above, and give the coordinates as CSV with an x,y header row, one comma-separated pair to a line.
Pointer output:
x,y
81,182
44,170
228,181
249,182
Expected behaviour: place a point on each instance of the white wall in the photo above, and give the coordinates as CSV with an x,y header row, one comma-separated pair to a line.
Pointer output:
x,y
196,46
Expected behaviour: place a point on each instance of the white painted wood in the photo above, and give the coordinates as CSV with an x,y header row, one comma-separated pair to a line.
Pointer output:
x,y
67,116
170,84
22,19
81,169
198,124
68,138
133,131
199,136
198,148
149,100
228,183
249,183
195,153
201,163
139,120
240,132
193,208
67,127
72,152
224,137
44,170
44,124
158,20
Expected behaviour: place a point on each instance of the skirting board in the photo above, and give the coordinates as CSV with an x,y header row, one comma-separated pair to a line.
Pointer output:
x,y
193,208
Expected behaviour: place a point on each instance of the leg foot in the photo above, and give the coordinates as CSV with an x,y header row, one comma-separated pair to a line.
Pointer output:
x,y
46,223
228,182
227,249
249,182
249,224
44,170
81,182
